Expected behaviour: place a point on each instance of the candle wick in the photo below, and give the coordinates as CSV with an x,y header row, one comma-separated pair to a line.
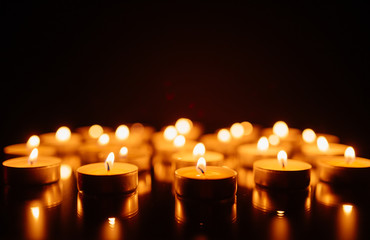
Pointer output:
x,y
201,170
108,167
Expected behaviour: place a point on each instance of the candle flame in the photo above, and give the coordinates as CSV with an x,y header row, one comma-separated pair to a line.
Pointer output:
x,y
274,140
111,221
282,158
95,131
170,133
308,135
347,208
322,144
35,212
237,130
179,141
248,127
183,125
350,154
63,134
263,144
223,135
109,161
33,142
103,139
281,129
201,165
123,152
122,132
33,156
199,150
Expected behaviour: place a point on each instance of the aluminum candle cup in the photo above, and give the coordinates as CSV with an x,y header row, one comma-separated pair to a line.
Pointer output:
x,y
337,170
95,179
187,159
216,183
270,173
18,171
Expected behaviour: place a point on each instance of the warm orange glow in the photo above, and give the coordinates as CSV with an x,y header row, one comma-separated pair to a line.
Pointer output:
x,y
263,144
123,152
201,165
65,171
170,133
274,140
111,221
347,208
280,213
33,141
122,132
282,158
224,135
179,141
184,125
248,127
237,130
63,134
35,212
95,131
350,154
33,156
322,144
199,150
280,129
109,161
103,139
308,135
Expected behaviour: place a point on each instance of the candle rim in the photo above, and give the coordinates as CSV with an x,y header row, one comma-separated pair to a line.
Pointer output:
x,y
285,169
326,161
234,173
37,164
82,169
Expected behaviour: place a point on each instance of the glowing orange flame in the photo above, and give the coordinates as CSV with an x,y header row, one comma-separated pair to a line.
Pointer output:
x,y
280,129
170,133
33,156
199,150
184,125
201,165
179,141
95,131
109,161
308,135
103,139
33,141
322,144
224,135
263,144
350,154
63,134
237,130
122,132
282,158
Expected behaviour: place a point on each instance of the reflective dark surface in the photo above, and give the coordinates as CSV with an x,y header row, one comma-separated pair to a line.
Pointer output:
x,y
58,211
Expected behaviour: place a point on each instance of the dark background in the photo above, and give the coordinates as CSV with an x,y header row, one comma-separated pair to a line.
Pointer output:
x,y
77,64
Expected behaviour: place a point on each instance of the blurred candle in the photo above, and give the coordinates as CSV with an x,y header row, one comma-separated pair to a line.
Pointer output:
x,y
63,140
24,149
32,170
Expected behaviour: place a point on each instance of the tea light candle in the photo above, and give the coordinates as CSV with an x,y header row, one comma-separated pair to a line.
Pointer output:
x,y
139,156
199,182
92,133
168,142
309,137
311,153
32,170
187,158
106,178
24,149
249,153
91,152
188,129
143,131
285,133
123,136
282,173
220,142
63,140
344,170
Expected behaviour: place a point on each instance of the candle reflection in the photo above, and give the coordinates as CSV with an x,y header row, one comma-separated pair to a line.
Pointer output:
x,y
281,201
347,222
280,227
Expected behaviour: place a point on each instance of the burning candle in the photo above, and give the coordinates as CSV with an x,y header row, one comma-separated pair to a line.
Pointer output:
x,y
201,182
32,170
187,158
309,137
93,132
249,153
285,134
108,177
347,169
282,173
188,129
220,142
63,140
311,152
24,149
